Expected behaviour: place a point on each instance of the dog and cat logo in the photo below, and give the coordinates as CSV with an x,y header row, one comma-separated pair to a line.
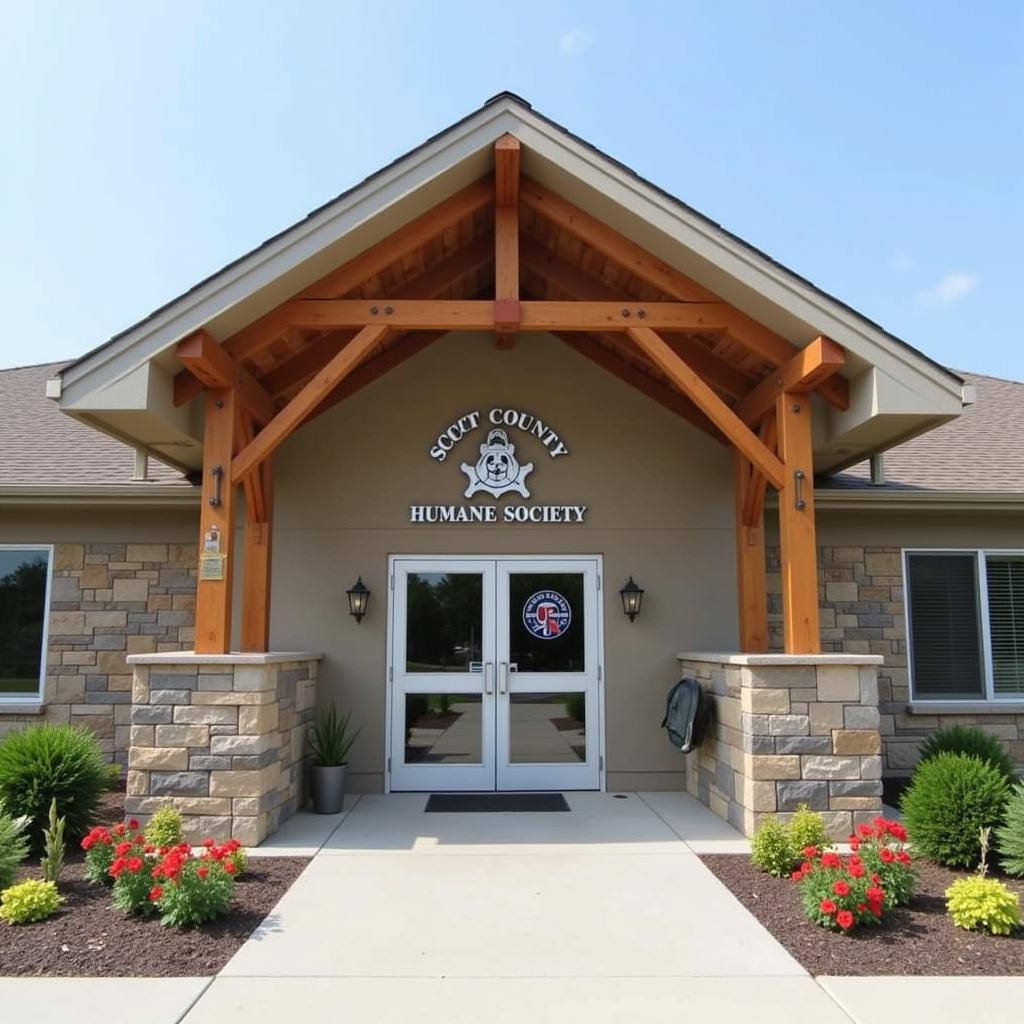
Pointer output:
x,y
497,471
546,614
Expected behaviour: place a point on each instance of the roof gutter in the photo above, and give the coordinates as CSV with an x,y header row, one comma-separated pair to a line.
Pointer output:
x,y
137,496
935,501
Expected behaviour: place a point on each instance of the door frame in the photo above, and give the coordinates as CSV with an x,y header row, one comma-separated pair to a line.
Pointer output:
x,y
602,674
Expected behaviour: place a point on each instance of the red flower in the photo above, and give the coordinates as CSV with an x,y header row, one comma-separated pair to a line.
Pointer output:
x,y
841,888
797,876
230,868
897,831
133,824
903,857
208,843
844,919
857,870
149,848
810,852
830,860
887,855
88,842
827,907
875,878
117,867
203,872
861,907
875,894
854,844
135,865
155,893
807,867
119,829
865,830
122,849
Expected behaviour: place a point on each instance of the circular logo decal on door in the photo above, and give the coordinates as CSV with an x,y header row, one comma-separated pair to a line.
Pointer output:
x,y
547,614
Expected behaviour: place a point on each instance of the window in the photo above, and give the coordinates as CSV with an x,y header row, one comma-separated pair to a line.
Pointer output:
x,y
24,603
965,613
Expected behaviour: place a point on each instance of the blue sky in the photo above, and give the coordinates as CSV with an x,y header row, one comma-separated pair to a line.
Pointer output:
x,y
875,148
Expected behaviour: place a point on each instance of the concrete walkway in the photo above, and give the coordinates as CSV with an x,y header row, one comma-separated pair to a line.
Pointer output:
x,y
603,914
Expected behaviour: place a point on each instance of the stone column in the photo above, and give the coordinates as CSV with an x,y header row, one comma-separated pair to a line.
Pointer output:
x,y
222,737
789,729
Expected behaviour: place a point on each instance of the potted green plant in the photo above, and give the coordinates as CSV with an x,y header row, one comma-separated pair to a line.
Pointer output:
x,y
330,742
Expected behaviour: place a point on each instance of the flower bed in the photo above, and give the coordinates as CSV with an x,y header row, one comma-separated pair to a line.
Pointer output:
x,y
918,938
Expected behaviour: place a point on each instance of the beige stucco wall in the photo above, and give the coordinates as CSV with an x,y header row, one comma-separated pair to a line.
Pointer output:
x,y
659,497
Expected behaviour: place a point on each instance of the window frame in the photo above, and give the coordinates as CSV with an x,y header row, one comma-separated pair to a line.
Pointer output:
x,y
39,696
981,556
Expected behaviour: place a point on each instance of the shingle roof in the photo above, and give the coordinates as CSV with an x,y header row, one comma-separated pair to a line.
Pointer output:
x,y
41,446
981,451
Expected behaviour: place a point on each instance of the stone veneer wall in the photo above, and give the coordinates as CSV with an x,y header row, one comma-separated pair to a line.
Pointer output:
x,y
788,730
863,612
222,738
108,601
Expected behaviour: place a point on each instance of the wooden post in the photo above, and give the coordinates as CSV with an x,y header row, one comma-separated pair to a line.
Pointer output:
x,y
751,582
796,526
506,240
259,532
216,518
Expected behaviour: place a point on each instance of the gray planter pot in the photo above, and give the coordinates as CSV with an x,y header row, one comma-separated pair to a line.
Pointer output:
x,y
327,786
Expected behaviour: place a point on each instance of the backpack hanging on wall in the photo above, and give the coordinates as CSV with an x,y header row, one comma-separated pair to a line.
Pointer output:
x,y
686,715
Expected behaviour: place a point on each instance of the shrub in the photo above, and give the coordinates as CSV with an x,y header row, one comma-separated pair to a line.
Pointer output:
x,y
807,828
132,873
843,894
13,846
771,848
330,738
1010,836
52,762
950,798
189,890
166,827
30,901
100,847
113,776
232,852
983,903
53,846
970,740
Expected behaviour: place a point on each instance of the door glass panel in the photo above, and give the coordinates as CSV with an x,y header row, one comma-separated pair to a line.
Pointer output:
x,y
546,627
547,728
444,621
443,728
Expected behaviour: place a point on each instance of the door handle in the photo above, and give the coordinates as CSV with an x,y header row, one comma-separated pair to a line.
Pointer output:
x,y
488,677
502,677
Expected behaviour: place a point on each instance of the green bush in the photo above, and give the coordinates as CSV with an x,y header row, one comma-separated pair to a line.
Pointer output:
x,y
950,798
969,739
983,903
165,828
1010,835
807,828
30,901
13,846
771,849
52,762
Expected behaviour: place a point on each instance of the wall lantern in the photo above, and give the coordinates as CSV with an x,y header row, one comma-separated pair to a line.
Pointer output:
x,y
358,599
632,597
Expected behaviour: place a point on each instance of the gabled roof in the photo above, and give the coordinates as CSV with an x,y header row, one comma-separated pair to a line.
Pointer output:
x,y
47,454
124,386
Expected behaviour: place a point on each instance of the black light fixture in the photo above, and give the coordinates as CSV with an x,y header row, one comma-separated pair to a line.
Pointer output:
x,y
632,597
358,599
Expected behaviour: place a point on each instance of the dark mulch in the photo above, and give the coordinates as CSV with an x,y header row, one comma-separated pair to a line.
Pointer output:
x,y
916,939
89,938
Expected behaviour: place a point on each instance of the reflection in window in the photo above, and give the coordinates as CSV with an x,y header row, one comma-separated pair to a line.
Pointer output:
x,y
24,573
443,621
443,728
547,728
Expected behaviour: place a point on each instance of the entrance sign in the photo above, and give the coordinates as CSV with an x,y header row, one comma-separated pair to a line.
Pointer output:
x,y
547,614
497,471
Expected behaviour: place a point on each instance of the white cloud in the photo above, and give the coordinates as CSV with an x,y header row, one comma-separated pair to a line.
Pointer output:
x,y
575,41
952,287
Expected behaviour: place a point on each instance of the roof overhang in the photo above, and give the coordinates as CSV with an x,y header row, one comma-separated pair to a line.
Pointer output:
x,y
124,386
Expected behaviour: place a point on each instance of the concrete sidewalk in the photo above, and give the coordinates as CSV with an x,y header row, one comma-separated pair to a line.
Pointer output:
x,y
605,914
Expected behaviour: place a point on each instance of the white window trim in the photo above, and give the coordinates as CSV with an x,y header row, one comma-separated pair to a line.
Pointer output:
x,y
990,697
37,699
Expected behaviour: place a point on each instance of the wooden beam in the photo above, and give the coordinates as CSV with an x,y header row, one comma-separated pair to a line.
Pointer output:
x,y
803,373
216,519
289,418
371,369
507,158
638,261
798,544
441,315
694,387
204,358
643,382
580,285
259,335
751,575
256,547
440,278
753,510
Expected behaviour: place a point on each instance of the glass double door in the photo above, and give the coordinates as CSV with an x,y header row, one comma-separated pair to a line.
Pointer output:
x,y
494,674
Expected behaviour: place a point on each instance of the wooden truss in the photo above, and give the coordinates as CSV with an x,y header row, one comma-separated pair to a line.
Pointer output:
x,y
505,255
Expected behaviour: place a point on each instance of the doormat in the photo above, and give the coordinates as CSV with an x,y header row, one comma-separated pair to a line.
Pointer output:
x,y
489,803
